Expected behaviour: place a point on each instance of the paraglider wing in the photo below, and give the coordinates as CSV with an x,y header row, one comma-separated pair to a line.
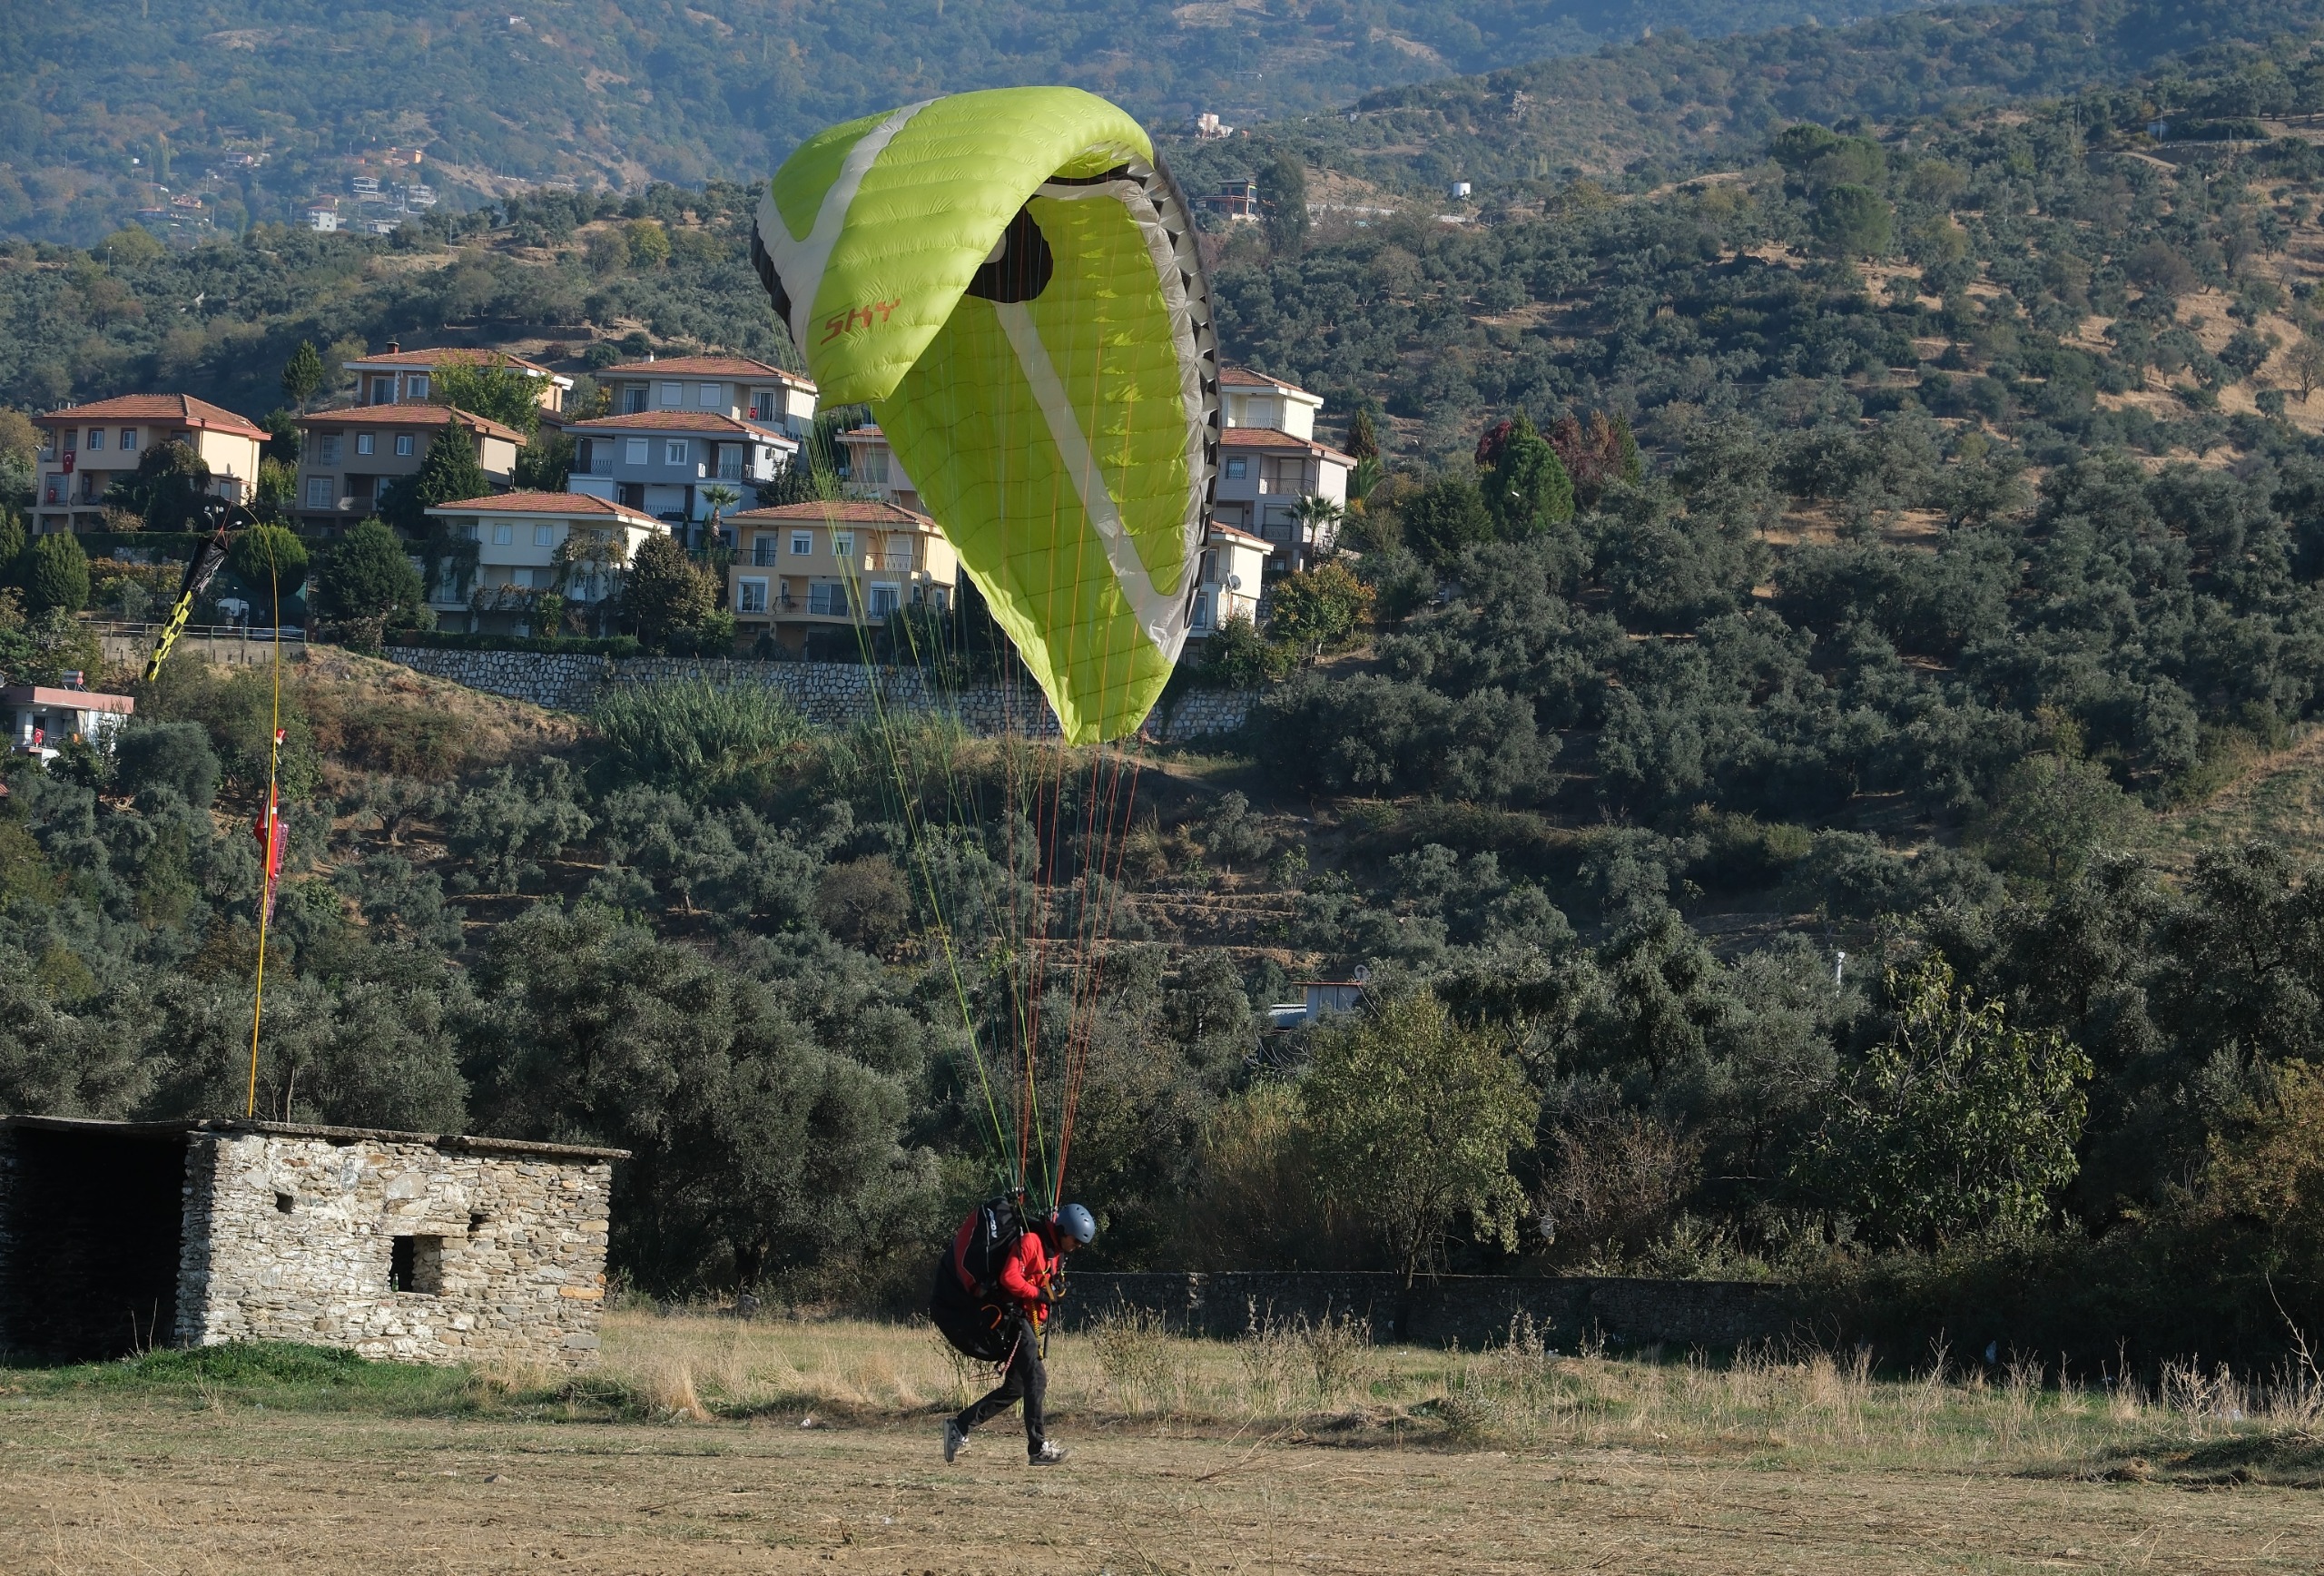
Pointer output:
x,y
1009,279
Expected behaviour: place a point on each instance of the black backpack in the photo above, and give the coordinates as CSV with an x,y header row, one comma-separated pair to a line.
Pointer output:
x,y
984,1242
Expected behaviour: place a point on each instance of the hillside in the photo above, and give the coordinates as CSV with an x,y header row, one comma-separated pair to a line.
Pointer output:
x,y
256,105
1677,101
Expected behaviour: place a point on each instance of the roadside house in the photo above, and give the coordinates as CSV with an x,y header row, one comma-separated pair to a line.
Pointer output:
x,y
397,374
348,456
1234,566
85,448
529,545
660,462
814,575
731,386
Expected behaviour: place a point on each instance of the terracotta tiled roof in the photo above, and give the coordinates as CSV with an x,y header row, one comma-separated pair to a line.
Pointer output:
x,y
448,356
178,409
676,421
868,433
1244,378
1230,533
1276,437
839,511
740,367
406,414
544,502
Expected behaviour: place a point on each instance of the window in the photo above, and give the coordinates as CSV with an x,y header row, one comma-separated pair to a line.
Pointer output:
x,y
706,396
673,394
321,495
875,466
96,438
763,407
543,535
1202,608
1238,468
502,535
1209,564
630,495
828,598
383,392
801,542
366,443
884,599
414,386
128,439
761,550
416,1265
752,599
327,448
633,399
673,451
842,544
634,451
403,444
730,462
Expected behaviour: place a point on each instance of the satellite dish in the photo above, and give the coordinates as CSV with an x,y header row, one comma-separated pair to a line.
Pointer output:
x,y
1234,582
1363,974
347,503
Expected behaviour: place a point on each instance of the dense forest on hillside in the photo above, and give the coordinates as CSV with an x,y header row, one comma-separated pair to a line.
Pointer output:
x,y
643,90
1794,616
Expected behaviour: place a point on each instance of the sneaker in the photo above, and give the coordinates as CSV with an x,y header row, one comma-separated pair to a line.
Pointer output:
x,y
1050,1455
956,1439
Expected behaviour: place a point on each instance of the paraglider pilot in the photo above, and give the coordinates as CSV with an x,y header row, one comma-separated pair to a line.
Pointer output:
x,y
1022,1290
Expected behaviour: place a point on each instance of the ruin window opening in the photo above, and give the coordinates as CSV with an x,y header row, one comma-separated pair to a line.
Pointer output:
x,y
476,1218
285,1201
416,1265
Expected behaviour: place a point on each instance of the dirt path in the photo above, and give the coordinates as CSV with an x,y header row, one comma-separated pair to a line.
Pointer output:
x,y
150,1489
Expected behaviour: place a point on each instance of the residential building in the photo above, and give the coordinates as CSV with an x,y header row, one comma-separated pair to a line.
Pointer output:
x,y
1239,198
348,456
663,462
813,574
529,543
873,471
734,387
323,214
1234,566
1262,475
85,448
1248,398
41,717
397,374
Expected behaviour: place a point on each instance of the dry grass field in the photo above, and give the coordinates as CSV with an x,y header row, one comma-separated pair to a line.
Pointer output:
x,y
692,1451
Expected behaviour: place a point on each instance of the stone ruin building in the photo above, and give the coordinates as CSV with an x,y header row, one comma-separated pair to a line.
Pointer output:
x,y
119,1236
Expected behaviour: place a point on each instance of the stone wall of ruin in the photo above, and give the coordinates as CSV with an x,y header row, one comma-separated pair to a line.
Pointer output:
x,y
291,1238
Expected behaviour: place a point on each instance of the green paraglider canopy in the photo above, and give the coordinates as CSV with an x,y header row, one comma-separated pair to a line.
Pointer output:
x,y
1010,279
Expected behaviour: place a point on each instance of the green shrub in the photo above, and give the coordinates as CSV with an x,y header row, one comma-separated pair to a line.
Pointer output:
x,y
56,573
689,735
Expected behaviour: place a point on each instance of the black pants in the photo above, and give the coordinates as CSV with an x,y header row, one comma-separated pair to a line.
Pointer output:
x,y
1023,1380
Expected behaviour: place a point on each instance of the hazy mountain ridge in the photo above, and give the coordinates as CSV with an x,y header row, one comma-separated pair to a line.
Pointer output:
x,y
634,90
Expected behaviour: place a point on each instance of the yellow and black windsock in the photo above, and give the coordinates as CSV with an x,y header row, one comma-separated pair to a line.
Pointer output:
x,y
199,570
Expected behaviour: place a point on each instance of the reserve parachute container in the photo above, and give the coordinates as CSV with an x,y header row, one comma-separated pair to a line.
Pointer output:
x,y
1010,279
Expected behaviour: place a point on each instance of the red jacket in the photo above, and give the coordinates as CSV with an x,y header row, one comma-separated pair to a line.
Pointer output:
x,y
1026,1273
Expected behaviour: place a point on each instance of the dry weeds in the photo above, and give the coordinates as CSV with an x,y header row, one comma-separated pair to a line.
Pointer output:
x,y
1298,1448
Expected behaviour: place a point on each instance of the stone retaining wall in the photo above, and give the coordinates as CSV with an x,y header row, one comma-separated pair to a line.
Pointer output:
x,y
830,693
1468,1310
291,1238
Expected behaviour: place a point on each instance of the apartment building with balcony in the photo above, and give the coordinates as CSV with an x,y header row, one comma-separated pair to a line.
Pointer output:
x,y
1262,475
529,545
815,576
873,471
1248,398
85,448
734,387
397,374
348,456
1233,570
663,462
